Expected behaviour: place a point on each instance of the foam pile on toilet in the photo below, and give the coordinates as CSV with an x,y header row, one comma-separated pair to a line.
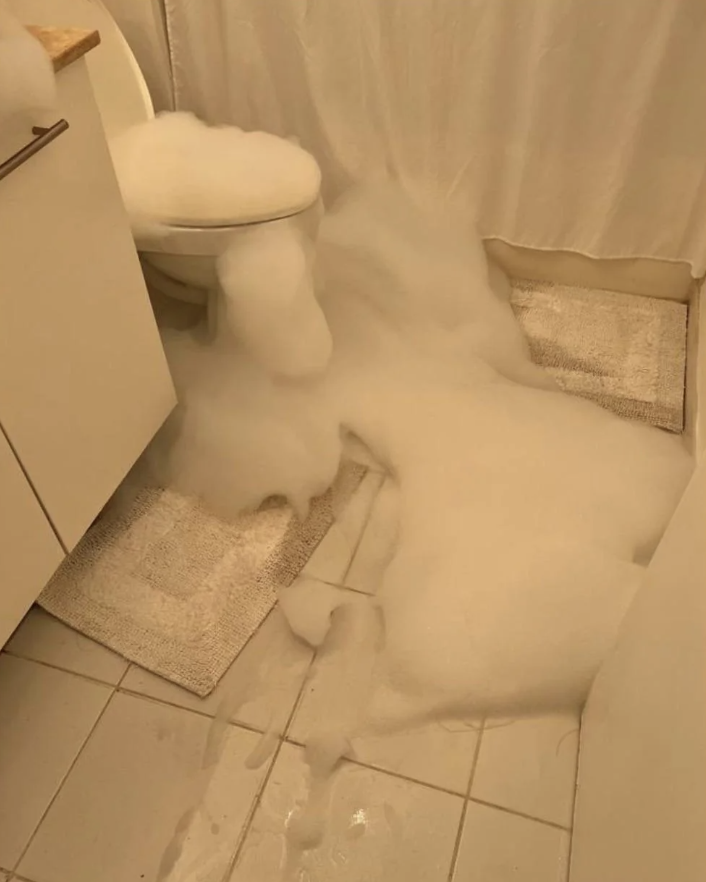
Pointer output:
x,y
525,515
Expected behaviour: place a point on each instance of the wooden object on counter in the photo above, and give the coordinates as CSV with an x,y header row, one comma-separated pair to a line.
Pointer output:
x,y
65,45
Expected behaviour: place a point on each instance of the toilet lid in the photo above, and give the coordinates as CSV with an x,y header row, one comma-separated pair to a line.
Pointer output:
x,y
178,171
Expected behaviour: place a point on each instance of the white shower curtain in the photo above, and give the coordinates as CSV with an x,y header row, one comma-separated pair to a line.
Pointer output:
x,y
557,124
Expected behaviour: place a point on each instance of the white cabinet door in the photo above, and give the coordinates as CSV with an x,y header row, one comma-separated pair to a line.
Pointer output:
x,y
29,550
641,799
84,383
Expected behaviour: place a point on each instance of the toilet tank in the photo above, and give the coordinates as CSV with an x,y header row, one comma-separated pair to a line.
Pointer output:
x,y
119,87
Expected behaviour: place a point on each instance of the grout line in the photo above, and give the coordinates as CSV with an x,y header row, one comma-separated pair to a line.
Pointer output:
x,y
265,781
509,811
476,755
373,768
236,724
63,670
245,829
64,779
464,810
570,849
124,690
306,679
343,587
364,527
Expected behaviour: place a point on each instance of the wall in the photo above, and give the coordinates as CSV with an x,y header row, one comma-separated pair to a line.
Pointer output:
x,y
641,800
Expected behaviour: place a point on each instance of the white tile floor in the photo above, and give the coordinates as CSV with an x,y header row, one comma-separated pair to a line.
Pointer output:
x,y
99,761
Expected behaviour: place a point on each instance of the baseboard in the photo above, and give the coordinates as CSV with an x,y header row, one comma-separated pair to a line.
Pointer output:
x,y
695,397
653,278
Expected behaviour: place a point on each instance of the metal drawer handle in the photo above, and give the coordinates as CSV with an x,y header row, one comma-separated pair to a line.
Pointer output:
x,y
44,137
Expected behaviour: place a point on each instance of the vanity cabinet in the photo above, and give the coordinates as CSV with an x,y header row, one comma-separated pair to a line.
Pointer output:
x,y
84,383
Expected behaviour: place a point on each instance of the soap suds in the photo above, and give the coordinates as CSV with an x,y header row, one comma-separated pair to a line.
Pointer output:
x,y
175,169
239,436
344,673
523,513
268,301
307,604
522,510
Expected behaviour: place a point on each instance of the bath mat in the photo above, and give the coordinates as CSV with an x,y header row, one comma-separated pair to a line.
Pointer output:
x,y
624,351
178,591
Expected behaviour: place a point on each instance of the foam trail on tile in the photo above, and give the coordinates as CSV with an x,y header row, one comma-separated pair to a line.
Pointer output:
x,y
307,605
185,859
348,657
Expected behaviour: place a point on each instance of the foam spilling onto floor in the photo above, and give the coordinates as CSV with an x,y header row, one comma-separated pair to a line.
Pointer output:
x,y
524,516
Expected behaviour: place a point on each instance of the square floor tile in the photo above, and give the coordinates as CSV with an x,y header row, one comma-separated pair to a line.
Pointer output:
x,y
497,846
332,558
135,785
43,638
378,827
46,717
259,689
438,754
530,766
377,545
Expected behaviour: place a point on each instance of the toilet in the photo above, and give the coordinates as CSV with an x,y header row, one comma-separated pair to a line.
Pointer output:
x,y
180,261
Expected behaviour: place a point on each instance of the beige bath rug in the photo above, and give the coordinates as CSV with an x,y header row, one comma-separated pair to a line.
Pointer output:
x,y
626,352
171,587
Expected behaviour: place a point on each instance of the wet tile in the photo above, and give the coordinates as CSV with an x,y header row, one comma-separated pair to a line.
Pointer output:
x,y
497,846
43,638
332,558
530,766
440,754
378,543
259,689
46,717
138,780
377,827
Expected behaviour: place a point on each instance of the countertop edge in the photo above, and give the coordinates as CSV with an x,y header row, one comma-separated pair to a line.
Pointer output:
x,y
64,45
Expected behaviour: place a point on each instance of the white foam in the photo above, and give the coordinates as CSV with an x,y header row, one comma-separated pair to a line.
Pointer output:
x,y
518,513
344,674
523,511
176,169
238,436
307,604
269,302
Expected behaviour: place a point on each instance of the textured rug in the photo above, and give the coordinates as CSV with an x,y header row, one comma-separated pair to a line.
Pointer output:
x,y
626,352
171,587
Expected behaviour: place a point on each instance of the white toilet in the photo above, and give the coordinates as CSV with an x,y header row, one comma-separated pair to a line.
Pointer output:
x,y
180,262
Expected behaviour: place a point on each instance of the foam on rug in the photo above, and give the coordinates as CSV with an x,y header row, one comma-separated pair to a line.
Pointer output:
x,y
623,351
171,587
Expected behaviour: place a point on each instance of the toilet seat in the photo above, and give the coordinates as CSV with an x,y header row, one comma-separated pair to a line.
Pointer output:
x,y
180,171
286,205
203,241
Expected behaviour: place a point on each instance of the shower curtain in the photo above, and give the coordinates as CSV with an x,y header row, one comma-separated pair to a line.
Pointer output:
x,y
555,124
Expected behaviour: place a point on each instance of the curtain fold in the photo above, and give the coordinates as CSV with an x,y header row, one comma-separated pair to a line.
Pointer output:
x,y
556,124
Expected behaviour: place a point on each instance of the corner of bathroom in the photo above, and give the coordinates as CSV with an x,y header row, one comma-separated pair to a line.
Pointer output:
x,y
352,422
